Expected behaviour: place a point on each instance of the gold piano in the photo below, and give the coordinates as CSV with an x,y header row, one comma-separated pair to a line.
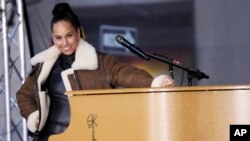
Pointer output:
x,y
197,113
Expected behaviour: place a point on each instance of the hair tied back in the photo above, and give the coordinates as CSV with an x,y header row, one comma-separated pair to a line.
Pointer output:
x,y
61,8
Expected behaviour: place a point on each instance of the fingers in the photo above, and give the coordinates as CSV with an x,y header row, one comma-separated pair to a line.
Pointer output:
x,y
168,82
163,81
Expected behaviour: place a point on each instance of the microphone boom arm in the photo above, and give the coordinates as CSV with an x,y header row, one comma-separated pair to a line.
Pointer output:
x,y
192,73
195,73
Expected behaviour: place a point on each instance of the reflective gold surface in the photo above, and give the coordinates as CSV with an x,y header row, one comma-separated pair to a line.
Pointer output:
x,y
159,114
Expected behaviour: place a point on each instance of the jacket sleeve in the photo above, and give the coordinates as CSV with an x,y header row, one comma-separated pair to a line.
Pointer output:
x,y
125,75
25,96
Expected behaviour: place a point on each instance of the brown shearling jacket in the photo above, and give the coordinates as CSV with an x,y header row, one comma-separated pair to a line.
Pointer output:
x,y
91,70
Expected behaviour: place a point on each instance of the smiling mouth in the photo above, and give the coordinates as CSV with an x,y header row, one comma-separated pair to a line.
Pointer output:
x,y
66,48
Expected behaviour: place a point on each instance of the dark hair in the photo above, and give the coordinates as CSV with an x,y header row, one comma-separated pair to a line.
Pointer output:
x,y
63,12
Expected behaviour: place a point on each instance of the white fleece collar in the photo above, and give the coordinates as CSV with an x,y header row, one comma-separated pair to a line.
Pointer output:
x,y
85,57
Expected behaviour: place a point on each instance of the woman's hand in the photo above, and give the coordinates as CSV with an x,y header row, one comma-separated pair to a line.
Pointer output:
x,y
163,81
167,82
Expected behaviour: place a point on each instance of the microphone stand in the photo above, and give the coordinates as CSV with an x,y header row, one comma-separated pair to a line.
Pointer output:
x,y
192,73
171,71
172,62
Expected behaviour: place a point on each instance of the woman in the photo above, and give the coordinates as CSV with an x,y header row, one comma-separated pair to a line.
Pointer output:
x,y
71,64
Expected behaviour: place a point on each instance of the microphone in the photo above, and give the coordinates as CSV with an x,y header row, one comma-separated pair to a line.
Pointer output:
x,y
121,40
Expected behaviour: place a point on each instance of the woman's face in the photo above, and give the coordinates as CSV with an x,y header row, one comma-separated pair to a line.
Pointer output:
x,y
65,37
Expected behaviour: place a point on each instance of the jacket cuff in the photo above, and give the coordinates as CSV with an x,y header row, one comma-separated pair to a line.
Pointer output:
x,y
32,121
159,80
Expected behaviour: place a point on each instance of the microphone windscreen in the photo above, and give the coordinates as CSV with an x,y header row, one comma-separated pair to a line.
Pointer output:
x,y
119,38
